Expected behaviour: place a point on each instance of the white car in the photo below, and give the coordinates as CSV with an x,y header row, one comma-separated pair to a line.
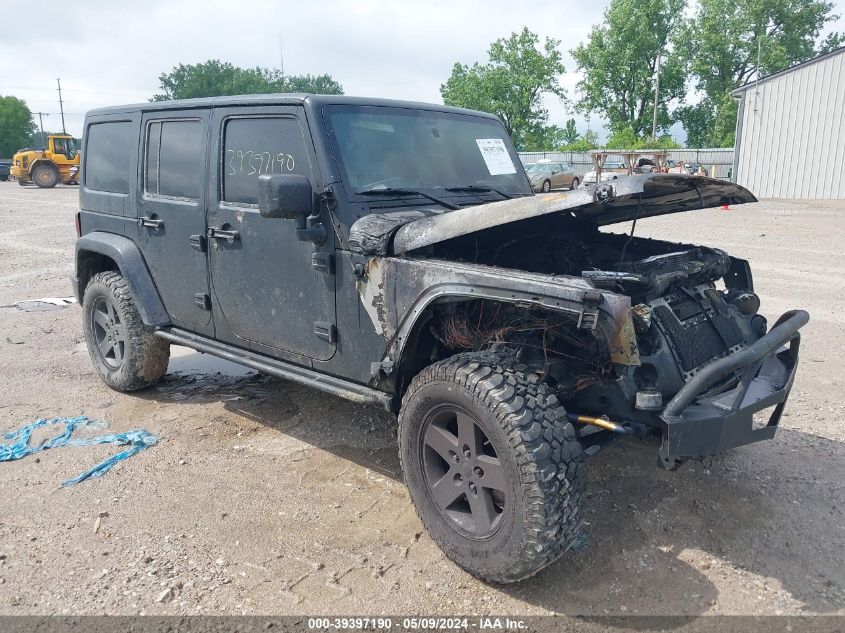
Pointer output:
x,y
612,170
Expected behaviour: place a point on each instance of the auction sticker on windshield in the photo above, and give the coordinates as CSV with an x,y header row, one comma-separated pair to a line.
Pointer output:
x,y
496,156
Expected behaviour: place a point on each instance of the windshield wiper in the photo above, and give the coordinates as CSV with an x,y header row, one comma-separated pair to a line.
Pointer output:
x,y
392,191
479,189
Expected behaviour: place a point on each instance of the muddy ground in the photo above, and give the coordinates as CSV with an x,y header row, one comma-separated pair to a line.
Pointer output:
x,y
264,497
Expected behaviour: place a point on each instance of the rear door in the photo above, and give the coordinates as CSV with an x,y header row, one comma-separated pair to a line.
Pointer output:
x,y
273,293
171,223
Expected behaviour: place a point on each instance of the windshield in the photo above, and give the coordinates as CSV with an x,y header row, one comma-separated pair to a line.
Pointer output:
x,y
391,148
538,168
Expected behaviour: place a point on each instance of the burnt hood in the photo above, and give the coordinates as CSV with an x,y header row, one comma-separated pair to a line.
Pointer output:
x,y
627,198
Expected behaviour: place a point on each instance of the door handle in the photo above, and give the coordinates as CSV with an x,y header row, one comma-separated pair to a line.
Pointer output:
x,y
221,234
150,223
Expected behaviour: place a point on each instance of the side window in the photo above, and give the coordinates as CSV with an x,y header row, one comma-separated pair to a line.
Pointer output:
x,y
173,166
256,146
108,152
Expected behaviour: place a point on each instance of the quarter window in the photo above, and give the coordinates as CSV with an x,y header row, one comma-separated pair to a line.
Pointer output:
x,y
174,159
108,155
256,146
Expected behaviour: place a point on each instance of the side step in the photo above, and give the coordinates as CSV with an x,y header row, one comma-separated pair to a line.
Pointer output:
x,y
295,373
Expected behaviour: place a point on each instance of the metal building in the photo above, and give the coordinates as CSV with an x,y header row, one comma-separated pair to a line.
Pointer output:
x,y
790,132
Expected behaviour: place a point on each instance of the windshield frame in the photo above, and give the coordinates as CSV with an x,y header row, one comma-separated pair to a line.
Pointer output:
x,y
353,194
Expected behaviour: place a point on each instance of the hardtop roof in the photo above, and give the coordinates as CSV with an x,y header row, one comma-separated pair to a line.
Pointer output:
x,y
279,99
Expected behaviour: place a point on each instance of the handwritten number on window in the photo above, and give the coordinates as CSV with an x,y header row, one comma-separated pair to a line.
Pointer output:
x,y
257,163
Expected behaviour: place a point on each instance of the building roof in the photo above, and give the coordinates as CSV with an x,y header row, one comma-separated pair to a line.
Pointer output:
x,y
739,91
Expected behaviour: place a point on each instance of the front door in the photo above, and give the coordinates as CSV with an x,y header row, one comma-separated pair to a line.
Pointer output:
x,y
269,289
171,222
558,176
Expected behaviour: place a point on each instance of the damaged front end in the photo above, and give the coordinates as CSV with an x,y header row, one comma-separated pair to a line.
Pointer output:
x,y
658,337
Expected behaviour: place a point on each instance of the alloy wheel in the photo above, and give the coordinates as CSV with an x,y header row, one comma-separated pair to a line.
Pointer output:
x,y
464,476
109,333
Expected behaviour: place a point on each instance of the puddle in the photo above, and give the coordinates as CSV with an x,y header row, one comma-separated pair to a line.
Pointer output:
x,y
47,304
184,360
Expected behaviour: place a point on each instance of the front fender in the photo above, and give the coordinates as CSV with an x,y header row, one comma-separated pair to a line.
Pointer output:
x,y
397,292
129,260
40,161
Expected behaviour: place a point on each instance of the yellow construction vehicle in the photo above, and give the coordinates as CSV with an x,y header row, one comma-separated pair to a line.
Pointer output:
x,y
46,167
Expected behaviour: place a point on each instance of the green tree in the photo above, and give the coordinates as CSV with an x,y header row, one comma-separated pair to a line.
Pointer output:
x,y
626,138
721,41
570,133
543,138
215,78
511,84
623,137
587,141
619,64
16,125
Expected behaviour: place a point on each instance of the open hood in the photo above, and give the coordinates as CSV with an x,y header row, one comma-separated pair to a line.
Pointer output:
x,y
626,198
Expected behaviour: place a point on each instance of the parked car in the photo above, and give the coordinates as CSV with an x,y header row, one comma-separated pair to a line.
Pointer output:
x,y
696,169
394,254
545,176
5,165
612,170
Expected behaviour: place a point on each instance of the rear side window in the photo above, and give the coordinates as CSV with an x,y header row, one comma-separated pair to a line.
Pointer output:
x,y
256,146
173,166
108,152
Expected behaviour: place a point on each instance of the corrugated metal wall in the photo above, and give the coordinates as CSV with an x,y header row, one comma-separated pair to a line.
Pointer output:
x,y
791,136
718,161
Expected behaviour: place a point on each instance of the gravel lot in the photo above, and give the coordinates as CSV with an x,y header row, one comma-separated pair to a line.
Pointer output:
x,y
263,497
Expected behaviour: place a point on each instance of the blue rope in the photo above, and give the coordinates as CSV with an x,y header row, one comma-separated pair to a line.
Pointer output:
x,y
18,446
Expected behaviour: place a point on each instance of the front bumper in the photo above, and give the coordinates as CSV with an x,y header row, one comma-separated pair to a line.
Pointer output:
x,y
699,423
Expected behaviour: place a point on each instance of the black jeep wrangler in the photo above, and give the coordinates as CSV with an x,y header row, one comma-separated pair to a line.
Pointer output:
x,y
394,254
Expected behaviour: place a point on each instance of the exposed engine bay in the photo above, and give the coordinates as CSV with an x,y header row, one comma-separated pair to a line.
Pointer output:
x,y
690,306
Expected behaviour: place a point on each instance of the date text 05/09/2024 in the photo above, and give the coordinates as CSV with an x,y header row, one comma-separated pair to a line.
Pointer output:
x,y
416,623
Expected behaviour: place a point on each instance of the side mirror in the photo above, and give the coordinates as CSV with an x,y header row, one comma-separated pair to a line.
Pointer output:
x,y
287,196
290,196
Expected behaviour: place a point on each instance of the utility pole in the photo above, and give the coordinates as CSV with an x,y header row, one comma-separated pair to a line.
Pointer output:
x,y
41,125
61,105
656,99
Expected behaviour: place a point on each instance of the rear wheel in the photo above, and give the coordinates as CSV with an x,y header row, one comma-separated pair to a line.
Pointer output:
x,y
45,176
125,352
575,184
492,465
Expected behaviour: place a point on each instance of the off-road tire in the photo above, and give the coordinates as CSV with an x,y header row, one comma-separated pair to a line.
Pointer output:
x,y
145,356
546,187
535,443
575,183
45,176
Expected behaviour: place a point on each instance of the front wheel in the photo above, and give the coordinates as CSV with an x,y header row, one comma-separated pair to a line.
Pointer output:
x,y
45,177
547,186
492,465
125,352
575,184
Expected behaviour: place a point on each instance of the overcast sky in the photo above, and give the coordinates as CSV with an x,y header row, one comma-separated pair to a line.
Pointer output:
x,y
112,52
